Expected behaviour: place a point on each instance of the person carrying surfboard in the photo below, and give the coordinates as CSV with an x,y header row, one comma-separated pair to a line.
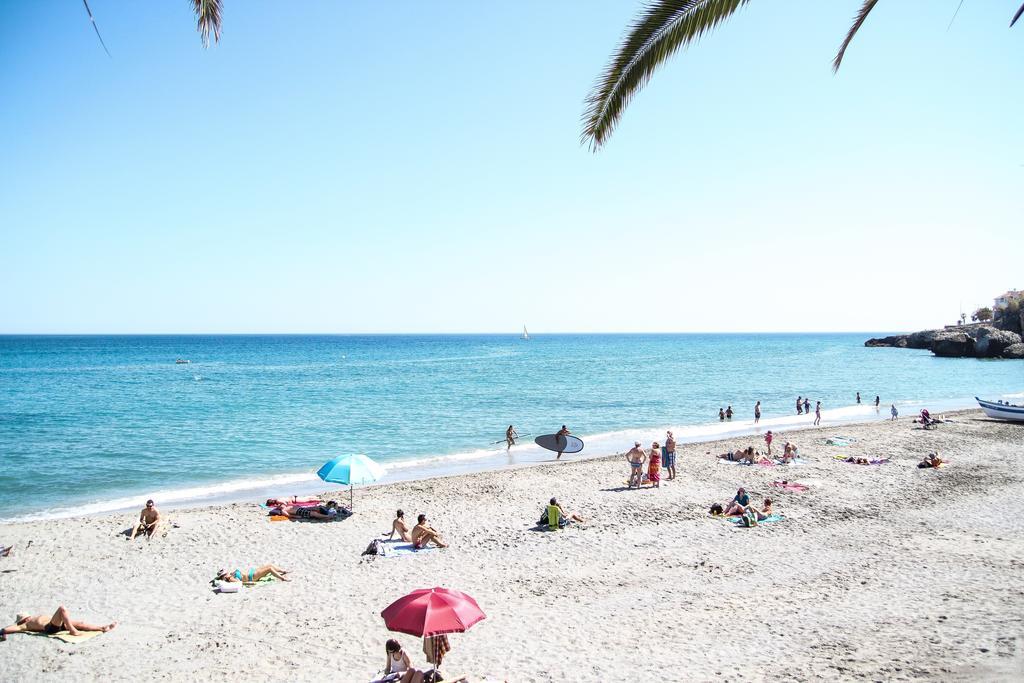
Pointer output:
x,y
561,440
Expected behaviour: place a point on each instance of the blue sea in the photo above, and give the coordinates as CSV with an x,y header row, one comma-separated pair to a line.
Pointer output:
x,y
97,423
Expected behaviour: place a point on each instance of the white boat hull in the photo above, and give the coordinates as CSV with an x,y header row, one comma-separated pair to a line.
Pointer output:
x,y
1002,411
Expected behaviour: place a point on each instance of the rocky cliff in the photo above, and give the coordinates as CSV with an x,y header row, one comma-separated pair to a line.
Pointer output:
x,y
975,341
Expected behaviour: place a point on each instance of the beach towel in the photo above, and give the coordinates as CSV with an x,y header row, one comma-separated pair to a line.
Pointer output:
x,y
406,549
67,637
279,518
839,440
789,486
767,520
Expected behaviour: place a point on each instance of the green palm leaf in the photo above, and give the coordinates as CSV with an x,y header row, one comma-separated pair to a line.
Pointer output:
x,y
865,10
208,19
662,29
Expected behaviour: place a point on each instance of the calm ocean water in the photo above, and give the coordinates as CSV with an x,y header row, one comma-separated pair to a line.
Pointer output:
x,y
93,422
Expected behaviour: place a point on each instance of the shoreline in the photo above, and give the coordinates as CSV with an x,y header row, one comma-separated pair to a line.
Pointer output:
x,y
886,572
525,454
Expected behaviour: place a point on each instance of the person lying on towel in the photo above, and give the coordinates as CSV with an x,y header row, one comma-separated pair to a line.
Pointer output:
x,y
320,512
252,574
60,621
931,460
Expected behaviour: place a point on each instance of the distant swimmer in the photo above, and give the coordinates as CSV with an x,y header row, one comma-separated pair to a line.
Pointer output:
x,y
858,398
561,440
721,415
757,412
728,413
799,406
817,414
510,437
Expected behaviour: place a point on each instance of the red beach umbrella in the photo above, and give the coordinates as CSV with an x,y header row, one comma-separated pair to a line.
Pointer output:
x,y
432,612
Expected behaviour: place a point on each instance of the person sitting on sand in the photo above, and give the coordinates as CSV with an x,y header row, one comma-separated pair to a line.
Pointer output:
x,y
635,456
764,513
788,453
319,512
747,455
400,527
398,661
253,574
930,460
149,521
563,518
422,534
60,621
739,502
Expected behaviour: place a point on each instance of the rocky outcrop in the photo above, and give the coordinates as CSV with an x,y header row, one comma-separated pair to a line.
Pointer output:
x,y
974,341
953,345
992,343
1015,351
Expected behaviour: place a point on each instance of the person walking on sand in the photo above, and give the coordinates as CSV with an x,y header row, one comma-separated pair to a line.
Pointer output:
x,y
858,398
561,440
807,406
149,522
728,413
817,414
635,456
60,621
768,440
668,455
892,411
510,437
757,412
799,406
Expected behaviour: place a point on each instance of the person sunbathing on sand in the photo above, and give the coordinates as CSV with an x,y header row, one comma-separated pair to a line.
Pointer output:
x,y
765,512
857,461
422,534
739,502
748,455
321,512
931,460
563,518
149,521
400,527
60,621
253,574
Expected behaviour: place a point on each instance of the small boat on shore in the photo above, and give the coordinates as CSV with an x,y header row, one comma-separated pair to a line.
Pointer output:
x,y
1002,411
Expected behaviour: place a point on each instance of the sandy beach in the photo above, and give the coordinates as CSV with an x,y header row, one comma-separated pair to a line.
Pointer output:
x,y
876,573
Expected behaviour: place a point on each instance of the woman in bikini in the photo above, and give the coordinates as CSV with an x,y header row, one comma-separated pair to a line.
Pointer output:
x,y
60,621
253,574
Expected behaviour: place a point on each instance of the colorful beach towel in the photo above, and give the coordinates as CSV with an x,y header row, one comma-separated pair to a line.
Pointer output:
x,y
767,520
67,637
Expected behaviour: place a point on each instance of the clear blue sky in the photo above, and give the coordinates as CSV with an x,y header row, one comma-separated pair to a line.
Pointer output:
x,y
404,167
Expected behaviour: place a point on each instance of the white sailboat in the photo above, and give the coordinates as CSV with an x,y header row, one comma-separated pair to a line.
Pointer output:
x,y
526,335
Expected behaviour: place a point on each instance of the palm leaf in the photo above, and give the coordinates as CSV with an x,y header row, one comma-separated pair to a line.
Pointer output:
x,y
1016,16
865,10
97,28
208,19
662,28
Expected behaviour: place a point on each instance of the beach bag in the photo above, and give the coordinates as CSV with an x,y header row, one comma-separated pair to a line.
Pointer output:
x,y
716,509
375,548
748,519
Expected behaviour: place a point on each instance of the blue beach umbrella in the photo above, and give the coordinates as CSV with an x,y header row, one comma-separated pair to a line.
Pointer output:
x,y
351,470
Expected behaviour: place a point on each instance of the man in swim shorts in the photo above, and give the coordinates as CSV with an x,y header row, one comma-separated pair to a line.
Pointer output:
x,y
149,521
423,533
60,621
636,457
561,440
668,455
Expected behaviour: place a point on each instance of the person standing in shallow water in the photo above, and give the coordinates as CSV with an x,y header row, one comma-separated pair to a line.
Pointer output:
x,y
817,414
728,413
721,415
858,398
561,440
892,411
757,412
799,406
877,401
510,437
807,406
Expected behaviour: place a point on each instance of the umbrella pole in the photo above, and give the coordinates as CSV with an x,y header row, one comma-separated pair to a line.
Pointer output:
x,y
350,498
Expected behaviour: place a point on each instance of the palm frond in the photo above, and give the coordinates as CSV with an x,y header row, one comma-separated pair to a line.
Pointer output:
x,y
97,28
208,19
662,29
1016,16
865,10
